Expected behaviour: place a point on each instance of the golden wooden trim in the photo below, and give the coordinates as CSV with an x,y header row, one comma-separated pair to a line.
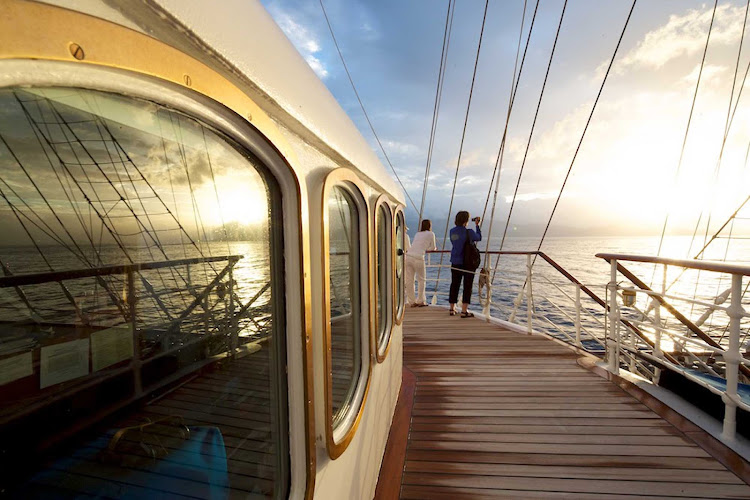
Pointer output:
x,y
398,311
382,201
348,180
59,34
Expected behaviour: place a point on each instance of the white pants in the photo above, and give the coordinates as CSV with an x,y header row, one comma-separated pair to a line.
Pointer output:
x,y
414,267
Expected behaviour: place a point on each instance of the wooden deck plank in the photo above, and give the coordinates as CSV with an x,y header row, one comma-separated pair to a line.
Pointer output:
x,y
498,414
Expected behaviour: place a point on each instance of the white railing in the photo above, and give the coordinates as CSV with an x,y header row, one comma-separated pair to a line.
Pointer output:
x,y
544,297
679,344
645,337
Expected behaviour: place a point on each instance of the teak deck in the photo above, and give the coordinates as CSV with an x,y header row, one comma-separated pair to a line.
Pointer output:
x,y
496,413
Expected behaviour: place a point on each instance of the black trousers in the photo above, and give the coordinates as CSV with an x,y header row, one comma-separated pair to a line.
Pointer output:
x,y
458,273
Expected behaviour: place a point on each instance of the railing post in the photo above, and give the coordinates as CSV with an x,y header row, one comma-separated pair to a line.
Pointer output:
x,y
657,330
137,382
487,300
578,315
232,319
613,342
732,359
529,295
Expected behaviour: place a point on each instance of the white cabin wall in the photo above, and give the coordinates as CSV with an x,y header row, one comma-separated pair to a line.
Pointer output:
x,y
354,474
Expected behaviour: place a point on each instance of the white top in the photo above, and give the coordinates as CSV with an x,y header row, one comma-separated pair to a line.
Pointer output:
x,y
423,241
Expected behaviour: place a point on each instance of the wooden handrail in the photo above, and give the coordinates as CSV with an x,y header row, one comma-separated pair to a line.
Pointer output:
x,y
703,265
52,276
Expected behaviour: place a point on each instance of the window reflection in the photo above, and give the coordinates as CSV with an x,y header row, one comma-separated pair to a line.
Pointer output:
x,y
144,242
383,241
345,345
400,262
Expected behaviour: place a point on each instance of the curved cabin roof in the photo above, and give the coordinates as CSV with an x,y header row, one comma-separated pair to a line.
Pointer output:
x,y
239,39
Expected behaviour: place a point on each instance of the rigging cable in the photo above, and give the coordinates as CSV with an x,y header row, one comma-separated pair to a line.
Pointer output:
x,y
354,88
463,136
728,123
531,132
501,150
687,128
585,128
438,98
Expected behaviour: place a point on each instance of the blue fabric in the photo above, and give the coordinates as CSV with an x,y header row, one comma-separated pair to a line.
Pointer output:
x,y
458,239
197,469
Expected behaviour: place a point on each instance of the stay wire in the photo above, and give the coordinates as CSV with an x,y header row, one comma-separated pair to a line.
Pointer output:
x,y
533,126
354,88
517,71
463,137
586,127
687,128
438,98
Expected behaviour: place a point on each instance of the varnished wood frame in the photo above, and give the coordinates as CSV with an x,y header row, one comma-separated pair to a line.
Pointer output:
x,y
346,179
383,201
398,312
109,45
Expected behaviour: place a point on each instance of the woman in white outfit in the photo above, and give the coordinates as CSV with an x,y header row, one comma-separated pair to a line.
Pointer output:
x,y
424,240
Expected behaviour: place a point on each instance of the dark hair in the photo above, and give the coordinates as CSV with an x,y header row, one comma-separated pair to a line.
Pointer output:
x,y
462,218
426,225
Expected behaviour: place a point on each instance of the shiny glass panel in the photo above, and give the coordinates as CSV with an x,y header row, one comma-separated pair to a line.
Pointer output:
x,y
400,254
141,304
383,235
346,357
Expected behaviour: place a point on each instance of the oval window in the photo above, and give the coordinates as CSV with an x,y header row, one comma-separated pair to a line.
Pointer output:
x,y
400,252
383,235
344,302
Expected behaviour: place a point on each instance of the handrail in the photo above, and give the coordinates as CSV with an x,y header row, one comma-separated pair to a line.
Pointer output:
x,y
51,276
575,281
703,265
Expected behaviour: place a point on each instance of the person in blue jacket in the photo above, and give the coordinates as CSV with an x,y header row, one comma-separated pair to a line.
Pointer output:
x,y
459,234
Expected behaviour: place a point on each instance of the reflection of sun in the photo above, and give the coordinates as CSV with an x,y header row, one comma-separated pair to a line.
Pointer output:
x,y
243,205
235,199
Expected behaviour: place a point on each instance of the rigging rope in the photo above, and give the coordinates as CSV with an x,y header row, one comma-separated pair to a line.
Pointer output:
x,y
463,136
501,150
586,127
531,132
687,128
436,107
367,117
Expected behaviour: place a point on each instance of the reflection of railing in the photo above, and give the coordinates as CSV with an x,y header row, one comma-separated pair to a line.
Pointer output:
x,y
697,350
139,328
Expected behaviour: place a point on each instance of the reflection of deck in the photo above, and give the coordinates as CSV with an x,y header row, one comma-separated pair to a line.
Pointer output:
x,y
502,414
232,401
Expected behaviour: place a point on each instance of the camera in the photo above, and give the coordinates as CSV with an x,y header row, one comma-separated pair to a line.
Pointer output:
x,y
476,219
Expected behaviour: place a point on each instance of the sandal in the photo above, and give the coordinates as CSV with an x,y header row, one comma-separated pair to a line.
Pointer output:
x,y
452,313
467,314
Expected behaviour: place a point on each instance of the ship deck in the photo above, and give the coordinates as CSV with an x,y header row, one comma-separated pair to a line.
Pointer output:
x,y
485,412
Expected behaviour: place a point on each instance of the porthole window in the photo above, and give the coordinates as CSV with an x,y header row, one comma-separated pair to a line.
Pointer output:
x,y
344,301
400,254
383,272
141,303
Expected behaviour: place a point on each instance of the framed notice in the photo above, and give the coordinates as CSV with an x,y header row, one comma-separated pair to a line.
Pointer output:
x,y
111,346
15,367
62,362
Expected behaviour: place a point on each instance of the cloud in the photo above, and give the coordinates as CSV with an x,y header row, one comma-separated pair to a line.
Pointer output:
x,y
303,38
531,197
401,148
684,35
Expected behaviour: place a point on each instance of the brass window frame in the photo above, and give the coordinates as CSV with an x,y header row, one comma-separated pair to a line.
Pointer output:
x,y
381,350
356,187
398,310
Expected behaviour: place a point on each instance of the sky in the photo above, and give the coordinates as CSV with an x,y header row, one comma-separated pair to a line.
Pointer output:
x,y
625,179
